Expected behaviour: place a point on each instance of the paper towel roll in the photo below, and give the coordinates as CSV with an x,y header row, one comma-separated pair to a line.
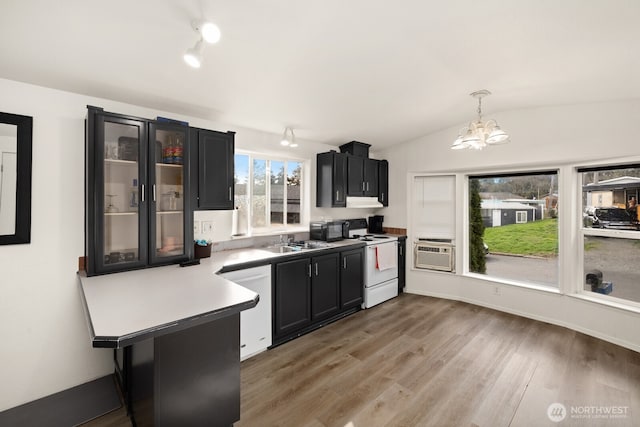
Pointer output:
x,y
234,222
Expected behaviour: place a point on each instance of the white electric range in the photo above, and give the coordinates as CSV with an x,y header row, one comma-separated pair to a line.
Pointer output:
x,y
379,284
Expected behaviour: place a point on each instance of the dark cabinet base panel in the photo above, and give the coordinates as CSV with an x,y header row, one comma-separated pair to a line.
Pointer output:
x,y
283,339
70,407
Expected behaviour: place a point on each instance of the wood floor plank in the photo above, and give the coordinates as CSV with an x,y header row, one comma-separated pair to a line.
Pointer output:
x,y
422,361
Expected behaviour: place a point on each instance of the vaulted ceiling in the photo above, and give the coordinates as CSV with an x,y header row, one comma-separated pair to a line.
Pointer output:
x,y
376,71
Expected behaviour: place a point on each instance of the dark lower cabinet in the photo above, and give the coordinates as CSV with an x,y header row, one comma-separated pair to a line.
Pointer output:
x,y
402,262
186,378
351,278
292,296
325,285
309,292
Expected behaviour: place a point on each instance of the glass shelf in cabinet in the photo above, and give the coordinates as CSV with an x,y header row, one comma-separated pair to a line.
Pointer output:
x,y
117,162
128,213
169,165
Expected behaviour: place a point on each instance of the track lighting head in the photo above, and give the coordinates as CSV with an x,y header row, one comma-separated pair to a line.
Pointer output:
x,y
193,56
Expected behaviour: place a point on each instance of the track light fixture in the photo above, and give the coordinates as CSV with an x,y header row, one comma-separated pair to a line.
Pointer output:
x,y
210,33
193,56
289,138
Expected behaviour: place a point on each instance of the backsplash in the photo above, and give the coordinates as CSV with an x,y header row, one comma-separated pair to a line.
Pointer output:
x,y
216,226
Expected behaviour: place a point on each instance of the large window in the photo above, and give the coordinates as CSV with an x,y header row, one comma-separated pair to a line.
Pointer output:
x,y
513,227
610,231
268,192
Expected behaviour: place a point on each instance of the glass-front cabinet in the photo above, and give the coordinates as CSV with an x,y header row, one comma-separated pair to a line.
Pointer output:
x,y
135,192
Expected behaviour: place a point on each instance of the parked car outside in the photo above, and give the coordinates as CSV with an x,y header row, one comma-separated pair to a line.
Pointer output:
x,y
609,217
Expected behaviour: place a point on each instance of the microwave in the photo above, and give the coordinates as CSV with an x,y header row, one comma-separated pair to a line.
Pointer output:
x,y
328,231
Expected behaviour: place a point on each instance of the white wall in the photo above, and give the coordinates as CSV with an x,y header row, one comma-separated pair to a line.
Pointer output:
x,y
551,137
45,342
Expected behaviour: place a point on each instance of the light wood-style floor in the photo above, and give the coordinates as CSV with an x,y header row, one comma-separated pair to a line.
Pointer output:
x,y
421,361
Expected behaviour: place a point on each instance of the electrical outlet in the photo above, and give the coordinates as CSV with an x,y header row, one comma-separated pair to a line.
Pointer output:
x,y
496,290
196,227
207,226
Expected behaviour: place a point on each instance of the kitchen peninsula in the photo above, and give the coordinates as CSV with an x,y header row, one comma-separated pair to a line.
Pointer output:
x,y
175,332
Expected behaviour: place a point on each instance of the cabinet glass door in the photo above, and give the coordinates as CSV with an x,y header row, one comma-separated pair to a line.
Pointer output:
x,y
168,151
122,217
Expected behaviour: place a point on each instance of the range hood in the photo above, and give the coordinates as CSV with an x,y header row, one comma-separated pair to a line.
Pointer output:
x,y
363,202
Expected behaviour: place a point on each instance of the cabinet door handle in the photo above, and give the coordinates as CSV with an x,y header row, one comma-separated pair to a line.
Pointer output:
x,y
367,185
153,192
316,268
382,197
142,193
338,195
344,262
229,193
400,247
309,270
363,185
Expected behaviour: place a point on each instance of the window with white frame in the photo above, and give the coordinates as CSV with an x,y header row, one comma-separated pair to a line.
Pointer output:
x,y
513,227
521,217
610,225
269,192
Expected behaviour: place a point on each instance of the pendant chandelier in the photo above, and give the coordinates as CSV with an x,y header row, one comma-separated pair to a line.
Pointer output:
x,y
479,134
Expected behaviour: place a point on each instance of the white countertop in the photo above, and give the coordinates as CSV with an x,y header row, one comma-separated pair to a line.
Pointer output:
x,y
128,307
124,308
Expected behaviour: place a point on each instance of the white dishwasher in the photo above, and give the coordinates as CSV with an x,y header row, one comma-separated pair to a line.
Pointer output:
x,y
255,323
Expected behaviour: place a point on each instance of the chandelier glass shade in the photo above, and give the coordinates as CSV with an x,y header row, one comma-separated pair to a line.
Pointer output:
x,y
479,134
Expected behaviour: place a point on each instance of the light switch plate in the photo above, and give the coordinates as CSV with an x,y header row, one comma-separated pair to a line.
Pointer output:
x,y
196,227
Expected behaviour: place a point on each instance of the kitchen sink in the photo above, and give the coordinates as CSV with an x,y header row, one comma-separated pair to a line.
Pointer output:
x,y
283,249
297,247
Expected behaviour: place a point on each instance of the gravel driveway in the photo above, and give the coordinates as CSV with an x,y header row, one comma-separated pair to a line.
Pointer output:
x,y
539,270
618,259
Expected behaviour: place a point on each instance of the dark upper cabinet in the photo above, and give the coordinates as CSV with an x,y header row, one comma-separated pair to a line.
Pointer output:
x,y
136,213
331,180
339,175
402,262
355,176
212,169
371,177
291,296
351,278
325,285
362,176
383,182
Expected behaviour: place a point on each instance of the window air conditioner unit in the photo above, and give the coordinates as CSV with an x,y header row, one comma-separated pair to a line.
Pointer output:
x,y
434,255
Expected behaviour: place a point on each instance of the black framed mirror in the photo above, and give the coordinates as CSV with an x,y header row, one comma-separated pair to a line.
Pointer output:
x,y
15,178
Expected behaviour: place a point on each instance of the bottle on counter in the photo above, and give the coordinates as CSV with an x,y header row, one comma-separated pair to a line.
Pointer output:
x,y
133,197
177,151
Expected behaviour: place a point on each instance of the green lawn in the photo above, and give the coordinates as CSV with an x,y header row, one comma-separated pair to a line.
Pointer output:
x,y
539,238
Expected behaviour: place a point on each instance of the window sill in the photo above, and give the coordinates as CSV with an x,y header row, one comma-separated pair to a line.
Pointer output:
x,y
527,285
613,302
272,232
